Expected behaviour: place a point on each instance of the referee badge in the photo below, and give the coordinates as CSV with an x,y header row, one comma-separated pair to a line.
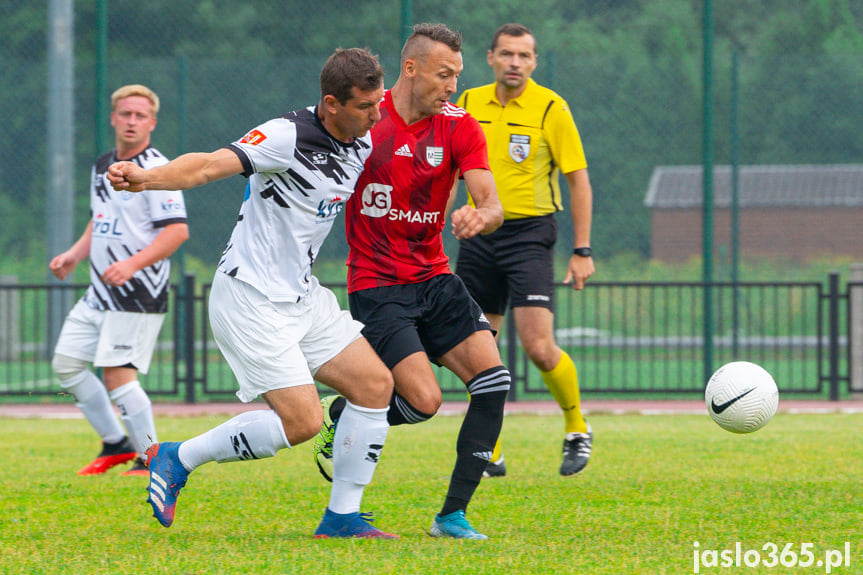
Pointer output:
x,y
434,155
519,147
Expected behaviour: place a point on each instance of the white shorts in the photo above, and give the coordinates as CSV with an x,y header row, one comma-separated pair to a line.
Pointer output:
x,y
109,338
272,345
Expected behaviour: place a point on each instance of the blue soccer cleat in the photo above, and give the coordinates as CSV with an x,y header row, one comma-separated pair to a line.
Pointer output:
x,y
454,525
349,525
167,477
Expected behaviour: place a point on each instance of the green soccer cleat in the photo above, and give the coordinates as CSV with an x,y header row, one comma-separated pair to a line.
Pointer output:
x,y
333,405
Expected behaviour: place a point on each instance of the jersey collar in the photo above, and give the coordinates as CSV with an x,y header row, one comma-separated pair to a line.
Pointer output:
x,y
391,108
517,100
323,129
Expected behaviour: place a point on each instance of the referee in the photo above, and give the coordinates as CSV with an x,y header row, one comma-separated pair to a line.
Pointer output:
x,y
532,138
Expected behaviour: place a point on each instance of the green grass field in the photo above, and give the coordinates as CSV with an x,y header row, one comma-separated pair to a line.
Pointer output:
x,y
654,487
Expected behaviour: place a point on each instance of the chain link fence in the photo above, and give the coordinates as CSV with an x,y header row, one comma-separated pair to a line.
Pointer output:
x,y
630,70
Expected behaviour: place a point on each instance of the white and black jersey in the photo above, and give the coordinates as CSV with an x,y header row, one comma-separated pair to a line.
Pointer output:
x,y
299,180
124,223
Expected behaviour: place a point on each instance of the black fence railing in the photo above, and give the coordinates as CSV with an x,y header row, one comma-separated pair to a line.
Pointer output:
x,y
625,338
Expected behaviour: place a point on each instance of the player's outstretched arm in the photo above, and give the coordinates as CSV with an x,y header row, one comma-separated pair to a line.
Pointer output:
x,y
182,173
488,215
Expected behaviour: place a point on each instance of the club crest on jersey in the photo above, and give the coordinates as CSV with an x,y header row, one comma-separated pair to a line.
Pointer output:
x,y
434,155
254,138
519,147
319,158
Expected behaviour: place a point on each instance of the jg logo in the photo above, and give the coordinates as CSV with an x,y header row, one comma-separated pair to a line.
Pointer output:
x,y
376,200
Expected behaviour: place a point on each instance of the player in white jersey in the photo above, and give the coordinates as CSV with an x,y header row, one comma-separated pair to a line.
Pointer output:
x,y
115,325
278,328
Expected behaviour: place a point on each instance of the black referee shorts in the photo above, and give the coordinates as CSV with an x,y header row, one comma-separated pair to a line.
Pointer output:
x,y
432,316
514,265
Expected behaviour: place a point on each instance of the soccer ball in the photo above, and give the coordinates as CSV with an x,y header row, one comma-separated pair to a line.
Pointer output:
x,y
741,397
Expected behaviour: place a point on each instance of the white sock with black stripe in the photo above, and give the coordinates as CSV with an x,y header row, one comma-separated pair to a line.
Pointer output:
x,y
357,445
136,412
250,435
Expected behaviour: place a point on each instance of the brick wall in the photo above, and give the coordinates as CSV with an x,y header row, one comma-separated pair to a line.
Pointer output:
x,y
795,234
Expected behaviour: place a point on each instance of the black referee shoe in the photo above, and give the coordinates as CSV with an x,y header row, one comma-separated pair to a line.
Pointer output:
x,y
576,452
495,468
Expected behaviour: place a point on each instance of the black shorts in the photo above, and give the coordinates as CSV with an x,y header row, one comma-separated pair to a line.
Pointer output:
x,y
515,264
432,316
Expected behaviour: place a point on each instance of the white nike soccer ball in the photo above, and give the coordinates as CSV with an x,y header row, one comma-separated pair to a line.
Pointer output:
x,y
741,397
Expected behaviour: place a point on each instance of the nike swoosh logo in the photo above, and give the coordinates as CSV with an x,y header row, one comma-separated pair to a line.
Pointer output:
x,y
723,406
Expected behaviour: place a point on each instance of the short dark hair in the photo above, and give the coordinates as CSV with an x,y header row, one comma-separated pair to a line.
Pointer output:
x,y
512,30
349,68
430,32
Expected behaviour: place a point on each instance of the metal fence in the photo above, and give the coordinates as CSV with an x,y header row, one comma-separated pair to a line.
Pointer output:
x,y
625,338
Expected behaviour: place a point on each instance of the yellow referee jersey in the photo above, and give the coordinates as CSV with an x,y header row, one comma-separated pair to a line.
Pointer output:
x,y
530,142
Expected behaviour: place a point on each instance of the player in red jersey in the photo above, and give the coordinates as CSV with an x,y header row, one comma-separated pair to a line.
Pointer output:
x,y
399,280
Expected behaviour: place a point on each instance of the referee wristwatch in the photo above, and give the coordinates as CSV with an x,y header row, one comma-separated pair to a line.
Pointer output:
x,y
583,252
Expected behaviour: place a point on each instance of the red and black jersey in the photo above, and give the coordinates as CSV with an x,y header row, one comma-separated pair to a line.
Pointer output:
x,y
395,218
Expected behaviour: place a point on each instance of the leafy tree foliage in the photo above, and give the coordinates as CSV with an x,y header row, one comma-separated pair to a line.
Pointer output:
x,y
630,69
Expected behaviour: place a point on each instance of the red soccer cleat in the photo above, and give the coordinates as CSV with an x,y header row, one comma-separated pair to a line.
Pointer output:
x,y
112,454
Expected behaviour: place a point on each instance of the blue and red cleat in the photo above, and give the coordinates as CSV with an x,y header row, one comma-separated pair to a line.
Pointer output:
x,y
349,525
167,477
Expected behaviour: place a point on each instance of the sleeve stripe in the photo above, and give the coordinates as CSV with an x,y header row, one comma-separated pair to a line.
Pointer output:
x,y
169,221
248,170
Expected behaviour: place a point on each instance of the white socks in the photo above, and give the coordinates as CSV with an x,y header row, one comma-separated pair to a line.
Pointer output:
x,y
136,411
359,439
92,399
250,435
360,436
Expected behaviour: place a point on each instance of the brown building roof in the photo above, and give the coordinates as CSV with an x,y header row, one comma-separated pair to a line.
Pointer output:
x,y
826,185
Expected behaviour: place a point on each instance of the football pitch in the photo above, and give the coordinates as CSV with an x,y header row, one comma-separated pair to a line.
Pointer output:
x,y
662,494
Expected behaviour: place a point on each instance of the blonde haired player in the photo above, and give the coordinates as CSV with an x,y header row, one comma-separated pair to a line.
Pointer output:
x,y
115,325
